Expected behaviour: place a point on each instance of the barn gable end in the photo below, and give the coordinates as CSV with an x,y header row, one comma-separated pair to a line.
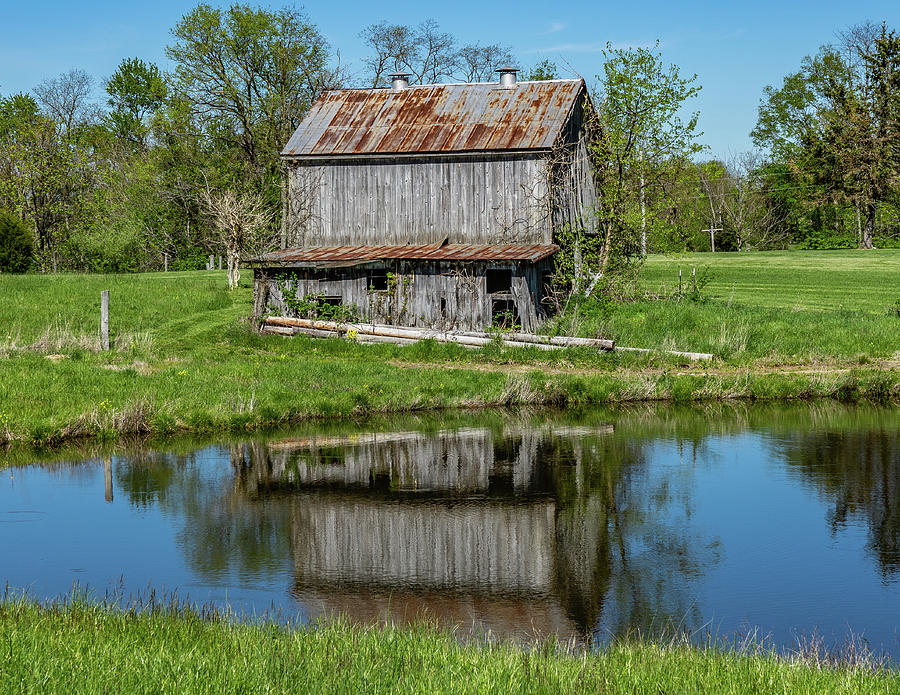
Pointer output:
x,y
476,165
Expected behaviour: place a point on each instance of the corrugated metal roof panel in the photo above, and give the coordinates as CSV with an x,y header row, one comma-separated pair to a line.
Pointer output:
x,y
354,255
436,118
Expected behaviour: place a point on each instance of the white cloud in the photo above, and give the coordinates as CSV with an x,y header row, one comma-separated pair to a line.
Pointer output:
x,y
555,27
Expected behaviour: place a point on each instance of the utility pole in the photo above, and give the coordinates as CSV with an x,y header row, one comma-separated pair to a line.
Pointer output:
x,y
712,237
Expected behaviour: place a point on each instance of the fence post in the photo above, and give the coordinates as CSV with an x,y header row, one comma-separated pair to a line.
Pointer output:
x,y
165,263
104,319
679,281
694,278
107,479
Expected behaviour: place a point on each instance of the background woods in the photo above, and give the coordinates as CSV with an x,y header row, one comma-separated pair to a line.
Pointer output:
x,y
113,175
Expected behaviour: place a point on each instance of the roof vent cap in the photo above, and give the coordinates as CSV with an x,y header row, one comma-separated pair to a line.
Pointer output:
x,y
399,81
507,77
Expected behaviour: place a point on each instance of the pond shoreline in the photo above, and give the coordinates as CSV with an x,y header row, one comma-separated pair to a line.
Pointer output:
x,y
84,646
468,388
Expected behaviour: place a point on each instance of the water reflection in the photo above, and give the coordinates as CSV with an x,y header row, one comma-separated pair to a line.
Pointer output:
x,y
519,528
650,519
858,475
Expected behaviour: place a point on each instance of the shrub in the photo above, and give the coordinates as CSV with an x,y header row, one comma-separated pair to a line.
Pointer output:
x,y
16,245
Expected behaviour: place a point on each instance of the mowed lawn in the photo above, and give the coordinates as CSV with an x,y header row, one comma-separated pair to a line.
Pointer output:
x,y
796,280
790,307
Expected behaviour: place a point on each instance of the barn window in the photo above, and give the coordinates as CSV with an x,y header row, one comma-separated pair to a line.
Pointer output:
x,y
499,280
378,282
330,300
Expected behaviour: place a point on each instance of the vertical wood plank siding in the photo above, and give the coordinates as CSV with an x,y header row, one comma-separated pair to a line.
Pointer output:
x,y
444,296
470,200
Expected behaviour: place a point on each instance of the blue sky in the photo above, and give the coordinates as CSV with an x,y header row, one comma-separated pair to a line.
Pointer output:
x,y
736,49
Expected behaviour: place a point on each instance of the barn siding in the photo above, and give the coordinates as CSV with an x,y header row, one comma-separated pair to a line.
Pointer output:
x,y
436,295
469,200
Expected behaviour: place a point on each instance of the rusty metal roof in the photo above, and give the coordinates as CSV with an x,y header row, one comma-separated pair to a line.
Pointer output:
x,y
332,256
436,118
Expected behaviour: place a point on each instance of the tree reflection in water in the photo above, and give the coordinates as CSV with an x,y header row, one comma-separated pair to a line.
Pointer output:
x,y
521,524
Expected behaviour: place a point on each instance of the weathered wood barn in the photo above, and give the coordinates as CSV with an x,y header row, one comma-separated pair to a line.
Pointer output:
x,y
430,206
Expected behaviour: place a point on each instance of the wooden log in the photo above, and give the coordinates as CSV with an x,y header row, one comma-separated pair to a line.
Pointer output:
x,y
466,339
398,332
276,330
688,355
562,340
362,338
104,319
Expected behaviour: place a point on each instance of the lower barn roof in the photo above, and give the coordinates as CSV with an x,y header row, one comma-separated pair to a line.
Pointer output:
x,y
344,256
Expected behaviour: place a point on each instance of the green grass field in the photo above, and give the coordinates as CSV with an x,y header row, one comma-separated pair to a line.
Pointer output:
x,y
867,281
782,307
185,357
86,648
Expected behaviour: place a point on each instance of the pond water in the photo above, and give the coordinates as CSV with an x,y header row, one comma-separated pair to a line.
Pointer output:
x,y
778,521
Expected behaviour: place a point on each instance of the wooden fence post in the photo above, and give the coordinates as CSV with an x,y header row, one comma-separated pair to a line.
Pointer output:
x,y
104,319
165,263
679,281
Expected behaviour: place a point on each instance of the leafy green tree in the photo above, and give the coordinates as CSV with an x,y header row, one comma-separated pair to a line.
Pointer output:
x,y
137,90
637,142
37,168
545,69
249,75
16,246
831,133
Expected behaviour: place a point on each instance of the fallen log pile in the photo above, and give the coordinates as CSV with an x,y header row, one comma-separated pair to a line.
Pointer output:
x,y
381,333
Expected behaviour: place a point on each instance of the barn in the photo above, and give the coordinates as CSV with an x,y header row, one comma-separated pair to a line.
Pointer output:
x,y
434,206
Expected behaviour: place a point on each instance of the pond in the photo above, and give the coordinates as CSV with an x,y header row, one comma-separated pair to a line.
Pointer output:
x,y
732,520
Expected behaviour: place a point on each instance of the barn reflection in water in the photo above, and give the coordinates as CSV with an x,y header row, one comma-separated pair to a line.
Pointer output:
x,y
502,530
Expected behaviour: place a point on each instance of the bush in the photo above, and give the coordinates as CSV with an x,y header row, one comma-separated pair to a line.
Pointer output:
x,y
16,245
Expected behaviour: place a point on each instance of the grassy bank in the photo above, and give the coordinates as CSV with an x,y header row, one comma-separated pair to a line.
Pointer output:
x,y
184,358
86,648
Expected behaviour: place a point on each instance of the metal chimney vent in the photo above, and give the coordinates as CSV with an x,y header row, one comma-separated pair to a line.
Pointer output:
x,y
507,77
399,81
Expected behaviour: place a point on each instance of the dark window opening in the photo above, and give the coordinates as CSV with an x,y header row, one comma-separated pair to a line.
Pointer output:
x,y
504,314
331,455
499,280
443,307
330,300
378,282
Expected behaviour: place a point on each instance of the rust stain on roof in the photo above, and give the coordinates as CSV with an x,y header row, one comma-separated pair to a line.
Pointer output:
x,y
436,118
355,255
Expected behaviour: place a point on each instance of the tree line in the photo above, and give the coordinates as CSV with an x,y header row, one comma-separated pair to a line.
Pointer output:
x,y
178,164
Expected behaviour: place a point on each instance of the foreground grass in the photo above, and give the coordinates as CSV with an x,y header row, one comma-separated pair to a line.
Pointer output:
x,y
185,359
89,648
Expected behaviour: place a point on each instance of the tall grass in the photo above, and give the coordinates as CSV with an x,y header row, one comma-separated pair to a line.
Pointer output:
x,y
84,647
